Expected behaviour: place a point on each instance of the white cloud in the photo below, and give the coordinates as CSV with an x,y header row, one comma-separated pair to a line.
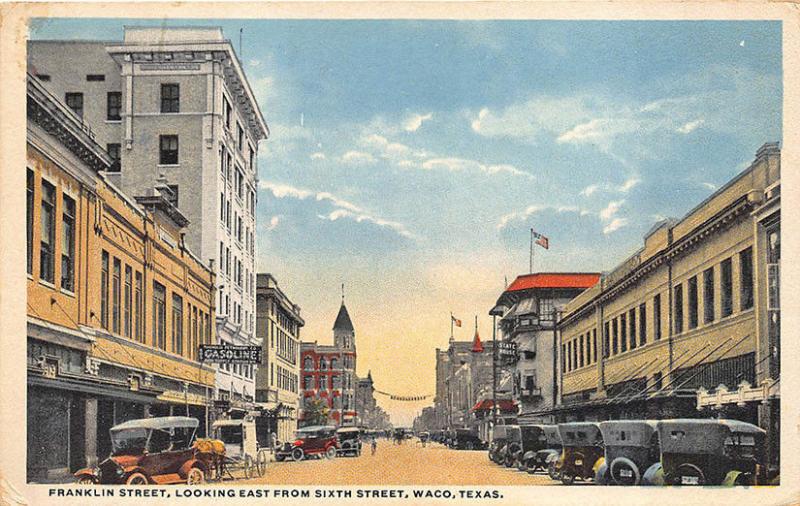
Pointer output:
x,y
614,225
253,62
611,209
625,187
629,184
453,164
591,130
399,228
529,211
357,158
710,186
263,88
690,126
413,122
286,191
273,223
318,156
591,189
533,117
385,148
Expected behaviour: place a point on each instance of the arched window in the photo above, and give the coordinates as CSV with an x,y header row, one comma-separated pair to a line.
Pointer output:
x,y
323,364
308,364
334,363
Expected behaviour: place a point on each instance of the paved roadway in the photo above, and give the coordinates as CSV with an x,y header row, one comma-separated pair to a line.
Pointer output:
x,y
406,464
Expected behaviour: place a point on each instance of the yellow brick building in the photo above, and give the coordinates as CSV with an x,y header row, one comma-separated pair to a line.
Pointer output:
x,y
689,325
117,306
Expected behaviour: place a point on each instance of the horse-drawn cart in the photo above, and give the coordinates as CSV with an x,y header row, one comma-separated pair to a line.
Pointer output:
x,y
235,448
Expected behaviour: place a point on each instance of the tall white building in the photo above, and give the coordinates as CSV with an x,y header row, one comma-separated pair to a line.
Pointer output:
x,y
174,105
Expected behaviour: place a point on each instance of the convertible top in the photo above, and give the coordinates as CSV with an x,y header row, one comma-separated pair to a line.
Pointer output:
x,y
316,428
228,423
348,429
161,423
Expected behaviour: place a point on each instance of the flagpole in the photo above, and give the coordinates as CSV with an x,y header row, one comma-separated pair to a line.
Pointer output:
x,y
531,255
451,325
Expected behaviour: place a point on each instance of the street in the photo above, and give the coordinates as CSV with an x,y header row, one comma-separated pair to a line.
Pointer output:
x,y
406,464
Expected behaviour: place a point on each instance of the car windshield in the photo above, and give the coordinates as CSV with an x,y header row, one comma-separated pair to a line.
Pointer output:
x,y
128,441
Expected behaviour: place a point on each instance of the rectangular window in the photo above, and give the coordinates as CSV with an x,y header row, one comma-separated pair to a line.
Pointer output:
x,y
159,315
726,286
708,295
615,335
632,328
128,296
642,324
569,356
95,77
691,293
115,296
564,357
606,341
68,244
678,303
580,353
239,137
168,154
226,108
193,345
170,97
43,77
657,317
48,232
623,333
29,221
594,344
113,151
113,106
104,291
75,102
746,279
177,324
137,309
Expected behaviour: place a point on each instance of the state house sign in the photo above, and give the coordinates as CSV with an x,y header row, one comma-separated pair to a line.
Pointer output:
x,y
229,354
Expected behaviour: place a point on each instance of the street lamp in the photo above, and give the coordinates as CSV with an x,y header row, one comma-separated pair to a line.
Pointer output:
x,y
498,310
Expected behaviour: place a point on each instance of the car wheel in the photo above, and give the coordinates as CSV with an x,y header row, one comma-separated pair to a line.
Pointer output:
x,y
521,466
195,476
470,446
85,480
136,479
279,458
552,472
298,454
331,452
567,478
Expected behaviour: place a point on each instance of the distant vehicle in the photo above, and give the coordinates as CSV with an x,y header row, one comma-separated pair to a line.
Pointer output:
x,y
150,451
497,446
711,452
313,441
349,441
632,453
514,446
466,439
541,447
582,451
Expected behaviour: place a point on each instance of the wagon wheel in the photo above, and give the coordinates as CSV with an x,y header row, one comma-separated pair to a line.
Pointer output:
x,y
196,476
261,462
248,467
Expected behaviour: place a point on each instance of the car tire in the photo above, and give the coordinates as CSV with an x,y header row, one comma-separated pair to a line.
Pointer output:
x,y
567,478
330,453
279,458
470,445
552,472
298,454
195,476
136,479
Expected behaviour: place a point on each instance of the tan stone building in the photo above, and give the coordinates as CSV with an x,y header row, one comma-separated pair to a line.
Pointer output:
x,y
689,325
117,305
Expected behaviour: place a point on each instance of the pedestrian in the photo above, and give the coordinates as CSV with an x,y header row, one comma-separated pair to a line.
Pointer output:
x,y
273,441
374,445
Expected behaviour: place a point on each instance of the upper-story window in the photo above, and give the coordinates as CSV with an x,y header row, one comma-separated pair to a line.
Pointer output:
x,y
113,106
308,364
226,111
75,102
252,157
334,364
170,97
68,244
30,182
95,77
546,309
48,231
168,154
323,364
746,278
240,137
114,152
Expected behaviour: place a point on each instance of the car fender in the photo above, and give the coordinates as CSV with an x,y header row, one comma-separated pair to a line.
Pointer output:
x,y
552,457
730,478
654,475
528,455
184,470
86,472
601,475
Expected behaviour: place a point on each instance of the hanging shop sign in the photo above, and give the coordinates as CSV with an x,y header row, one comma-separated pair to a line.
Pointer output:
x,y
229,354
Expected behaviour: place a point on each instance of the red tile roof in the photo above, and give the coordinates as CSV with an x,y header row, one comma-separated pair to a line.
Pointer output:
x,y
554,280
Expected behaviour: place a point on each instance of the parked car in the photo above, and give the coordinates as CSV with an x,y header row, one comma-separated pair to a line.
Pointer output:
x,y
582,451
498,443
711,452
541,446
150,451
514,446
466,439
349,439
632,453
313,441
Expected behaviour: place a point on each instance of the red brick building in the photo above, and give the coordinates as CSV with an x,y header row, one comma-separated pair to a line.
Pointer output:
x,y
329,372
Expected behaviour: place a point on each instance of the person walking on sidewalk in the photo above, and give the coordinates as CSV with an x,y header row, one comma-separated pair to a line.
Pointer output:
x,y
374,445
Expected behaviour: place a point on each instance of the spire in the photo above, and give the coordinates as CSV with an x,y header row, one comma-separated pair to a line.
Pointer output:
x,y
477,345
343,321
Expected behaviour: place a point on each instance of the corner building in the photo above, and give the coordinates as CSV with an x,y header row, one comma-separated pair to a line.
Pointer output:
x,y
117,304
689,325
174,105
329,372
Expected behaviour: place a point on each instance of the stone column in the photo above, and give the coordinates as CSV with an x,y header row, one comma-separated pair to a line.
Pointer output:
x,y
90,430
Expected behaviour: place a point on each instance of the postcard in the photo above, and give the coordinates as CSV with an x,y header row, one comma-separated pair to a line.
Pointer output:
x,y
397,252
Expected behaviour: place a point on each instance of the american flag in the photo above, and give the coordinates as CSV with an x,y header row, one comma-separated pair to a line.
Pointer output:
x,y
455,320
541,240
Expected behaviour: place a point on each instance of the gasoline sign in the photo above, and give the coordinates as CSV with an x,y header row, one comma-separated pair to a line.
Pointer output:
x,y
229,354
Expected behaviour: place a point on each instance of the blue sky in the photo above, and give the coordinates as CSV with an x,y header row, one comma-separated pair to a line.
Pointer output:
x,y
409,159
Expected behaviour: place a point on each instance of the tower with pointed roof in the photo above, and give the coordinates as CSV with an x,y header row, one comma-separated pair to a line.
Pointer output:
x,y
344,335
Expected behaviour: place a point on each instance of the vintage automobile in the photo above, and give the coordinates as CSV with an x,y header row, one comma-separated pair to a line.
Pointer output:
x,y
466,439
582,451
315,440
514,446
711,452
150,451
632,453
541,447
349,441
242,451
497,447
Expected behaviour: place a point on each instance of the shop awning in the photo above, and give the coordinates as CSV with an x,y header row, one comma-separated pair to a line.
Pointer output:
x,y
505,405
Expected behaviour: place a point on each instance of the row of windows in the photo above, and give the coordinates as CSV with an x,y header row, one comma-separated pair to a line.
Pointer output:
x,y
240,137
308,363
122,307
170,100
335,382
628,330
244,370
286,379
286,346
49,219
